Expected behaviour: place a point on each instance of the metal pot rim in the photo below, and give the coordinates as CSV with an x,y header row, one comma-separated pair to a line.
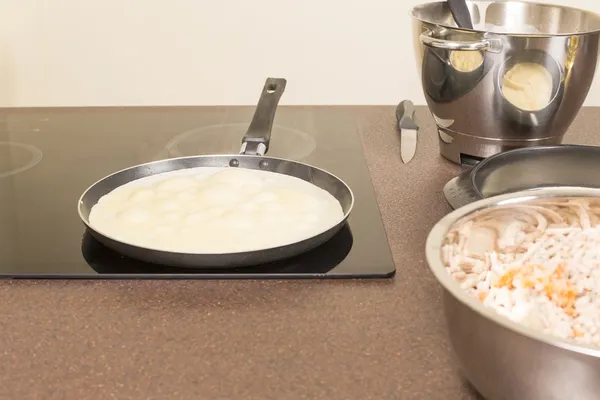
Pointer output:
x,y
591,14
434,260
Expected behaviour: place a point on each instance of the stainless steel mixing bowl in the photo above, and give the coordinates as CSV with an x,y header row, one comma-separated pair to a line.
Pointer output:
x,y
474,118
502,359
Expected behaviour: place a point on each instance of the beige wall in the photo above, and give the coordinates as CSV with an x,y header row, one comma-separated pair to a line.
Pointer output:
x,y
142,52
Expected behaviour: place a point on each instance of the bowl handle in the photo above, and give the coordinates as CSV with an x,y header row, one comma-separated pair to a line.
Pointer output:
x,y
429,39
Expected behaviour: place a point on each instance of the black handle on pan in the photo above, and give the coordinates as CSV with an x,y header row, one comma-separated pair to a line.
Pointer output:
x,y
256,140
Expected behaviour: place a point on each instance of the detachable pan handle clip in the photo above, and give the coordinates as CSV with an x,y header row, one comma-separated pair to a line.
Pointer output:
x,y
256,140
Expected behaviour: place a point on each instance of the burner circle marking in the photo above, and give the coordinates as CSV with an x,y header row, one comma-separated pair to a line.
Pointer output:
x,y
35,156
293,143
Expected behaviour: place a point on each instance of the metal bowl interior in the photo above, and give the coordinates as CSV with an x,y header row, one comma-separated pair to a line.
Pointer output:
x,y
516,17
434,260
535,167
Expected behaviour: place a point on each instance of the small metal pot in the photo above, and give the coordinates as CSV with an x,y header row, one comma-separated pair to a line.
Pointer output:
x,y
478,121
502,359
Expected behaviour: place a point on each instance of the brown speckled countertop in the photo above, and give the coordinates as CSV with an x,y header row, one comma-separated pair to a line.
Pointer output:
x,y
253,339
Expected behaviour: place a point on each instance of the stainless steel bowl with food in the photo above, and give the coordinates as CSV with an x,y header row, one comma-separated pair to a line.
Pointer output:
x,y
517,79
521,280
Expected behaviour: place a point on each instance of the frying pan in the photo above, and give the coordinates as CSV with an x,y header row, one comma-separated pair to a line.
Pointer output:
x,y
255,144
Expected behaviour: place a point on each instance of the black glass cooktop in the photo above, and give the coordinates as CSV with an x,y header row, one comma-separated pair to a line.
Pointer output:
x,y
48,157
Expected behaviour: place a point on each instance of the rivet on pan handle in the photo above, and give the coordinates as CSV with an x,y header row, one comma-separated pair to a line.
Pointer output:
x,y
256,140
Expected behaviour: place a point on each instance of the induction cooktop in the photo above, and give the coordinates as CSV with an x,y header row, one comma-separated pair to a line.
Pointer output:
x,y
48,157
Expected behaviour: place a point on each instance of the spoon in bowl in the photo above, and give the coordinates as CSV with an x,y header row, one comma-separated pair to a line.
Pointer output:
x,y
461,13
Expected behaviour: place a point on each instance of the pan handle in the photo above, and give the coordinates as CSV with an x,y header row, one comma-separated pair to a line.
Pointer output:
x,y
256,140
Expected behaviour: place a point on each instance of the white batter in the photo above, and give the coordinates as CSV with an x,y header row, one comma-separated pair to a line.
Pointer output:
x,y
215,210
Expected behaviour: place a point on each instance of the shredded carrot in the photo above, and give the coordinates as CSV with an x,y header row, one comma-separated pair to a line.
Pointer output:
x,y
481,296
507,279
562,292
549,289
556,286
529,284
577,333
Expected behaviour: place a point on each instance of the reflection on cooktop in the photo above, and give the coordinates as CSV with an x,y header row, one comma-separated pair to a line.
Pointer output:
x,y
321,260
227,138
17,157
